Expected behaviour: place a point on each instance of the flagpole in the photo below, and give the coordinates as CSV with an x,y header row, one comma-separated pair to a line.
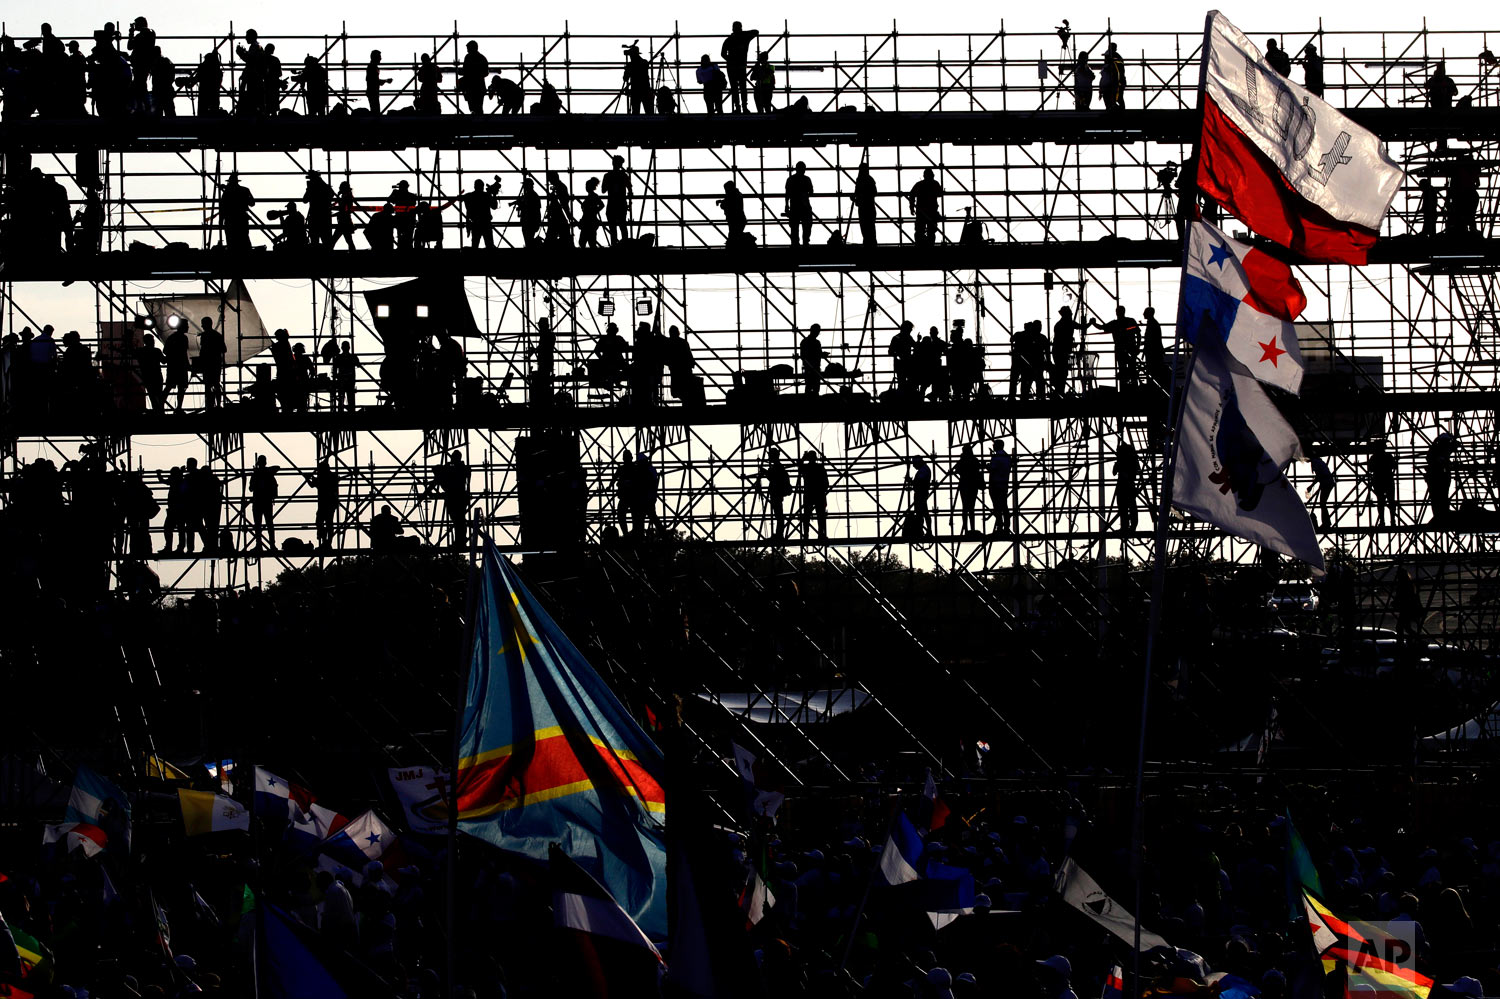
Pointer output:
x,y
471,599
1163,516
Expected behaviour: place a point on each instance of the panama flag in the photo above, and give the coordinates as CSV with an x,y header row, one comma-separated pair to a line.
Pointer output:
x,y
1283,161
1232,447
548,755
278,798
1248,299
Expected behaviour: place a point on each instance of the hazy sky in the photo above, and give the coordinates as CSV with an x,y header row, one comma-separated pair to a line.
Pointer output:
x,y
375,16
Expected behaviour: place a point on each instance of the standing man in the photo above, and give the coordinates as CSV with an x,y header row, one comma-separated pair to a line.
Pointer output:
x,y
1127,469
864,203
778,487
235,202
637,80
811,351
1154,352
736,54
452,478
1067,337
1126,334
473,78
373,82
925,199
617,192
919,519
177,362
1382,472
1000,466
812,476
263,493
799,213
318,197
325,481
479,212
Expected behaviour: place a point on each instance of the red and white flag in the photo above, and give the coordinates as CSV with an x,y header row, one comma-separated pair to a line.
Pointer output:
x,y
1284,161
610,956
83,836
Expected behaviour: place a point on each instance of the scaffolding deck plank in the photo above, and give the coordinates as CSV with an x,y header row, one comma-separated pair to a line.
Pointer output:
x,y
541,263
684,131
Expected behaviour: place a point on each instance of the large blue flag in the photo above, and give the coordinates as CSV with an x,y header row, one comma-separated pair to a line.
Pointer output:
x,y
548,755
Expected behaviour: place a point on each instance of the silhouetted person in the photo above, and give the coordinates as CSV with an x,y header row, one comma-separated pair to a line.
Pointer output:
x,y
403,204
73,100
88,233
208,81
235,202
314,79
1322,488
429,77
1127,469
902,350
346,206
999,482
1441,90
546,360
1277,57
970,481
637,80
141,45
713,81
811,352
1083,83
510,94
479,212
736,53
206,493
274,83
927,363
763,83
325,482
680,364
1154,352
919,518
549,101
178,367
177,530
1427,207
812,479
528,206
1112,79
472,77
1439,475
109,76
452,479
318,197
263,493
617,190
1312,69
293,234
429,228
778,486
374,81
148,359
623,481
163,86
1030,350
211,351
1382,473
864,203
384,529
1463,196
559,212
345,366
733,204
252,95
799,213
925,199
1067,338
644,492
666,100
590,210
1126,336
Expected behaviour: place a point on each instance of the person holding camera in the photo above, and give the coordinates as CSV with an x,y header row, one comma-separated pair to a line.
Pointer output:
x,y
479,212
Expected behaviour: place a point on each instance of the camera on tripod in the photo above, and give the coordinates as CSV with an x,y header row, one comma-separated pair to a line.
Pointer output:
x,y
1166,177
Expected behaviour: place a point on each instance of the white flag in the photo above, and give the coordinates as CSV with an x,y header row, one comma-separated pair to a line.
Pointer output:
x,y
1323,156
1232,447
1084,894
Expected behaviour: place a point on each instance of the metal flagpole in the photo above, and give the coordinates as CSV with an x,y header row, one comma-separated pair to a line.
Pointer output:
x,y
1164,512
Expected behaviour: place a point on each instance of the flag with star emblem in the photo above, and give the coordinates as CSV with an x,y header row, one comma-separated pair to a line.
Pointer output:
x,y
1246,298
1233,447
547,754
1285,162
364,839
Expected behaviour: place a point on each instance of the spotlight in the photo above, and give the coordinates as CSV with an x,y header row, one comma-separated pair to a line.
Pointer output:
x,y
382,312
144,323
421,312
173,322
606,306
643,307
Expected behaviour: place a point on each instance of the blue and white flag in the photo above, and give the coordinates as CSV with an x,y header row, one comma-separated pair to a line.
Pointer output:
x,y
902,853
98,801
1245,298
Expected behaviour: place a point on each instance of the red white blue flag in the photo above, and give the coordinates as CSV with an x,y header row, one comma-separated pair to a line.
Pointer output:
x,y
1285,162
547,754
1246,298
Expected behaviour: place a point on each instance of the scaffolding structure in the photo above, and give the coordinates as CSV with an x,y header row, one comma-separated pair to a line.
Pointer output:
x,y
1072,209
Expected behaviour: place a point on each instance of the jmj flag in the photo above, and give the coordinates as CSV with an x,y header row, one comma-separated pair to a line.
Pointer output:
x,y
1285,162
547,755
1232,446
1247,299
424,798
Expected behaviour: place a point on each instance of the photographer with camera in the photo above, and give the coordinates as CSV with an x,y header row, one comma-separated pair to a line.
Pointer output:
x,y
293,228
